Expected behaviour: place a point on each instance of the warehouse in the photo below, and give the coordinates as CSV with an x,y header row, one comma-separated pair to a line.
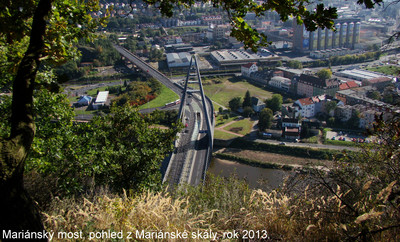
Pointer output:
x,y
178,60
225,58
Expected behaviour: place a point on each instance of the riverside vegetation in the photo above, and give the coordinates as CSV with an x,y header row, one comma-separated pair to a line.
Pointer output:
x,y
59,159
357,199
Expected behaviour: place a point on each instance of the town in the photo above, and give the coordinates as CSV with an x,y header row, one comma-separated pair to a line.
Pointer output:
x,y
218,119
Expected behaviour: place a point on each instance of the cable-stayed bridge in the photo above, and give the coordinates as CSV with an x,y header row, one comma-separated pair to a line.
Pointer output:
x,y
189,161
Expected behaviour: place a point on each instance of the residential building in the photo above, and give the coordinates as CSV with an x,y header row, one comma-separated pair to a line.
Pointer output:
x,y
348,85
291,122
358,96
213,19
280,82
343,113
84,101
257,104
291,133
291,128
309,85
308,107
248,68
220,30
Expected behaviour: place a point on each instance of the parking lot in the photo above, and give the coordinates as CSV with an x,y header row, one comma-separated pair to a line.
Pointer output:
x,y
348,136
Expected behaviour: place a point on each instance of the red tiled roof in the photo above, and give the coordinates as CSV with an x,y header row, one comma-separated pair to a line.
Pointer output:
x,y
306,101
248,65
348,85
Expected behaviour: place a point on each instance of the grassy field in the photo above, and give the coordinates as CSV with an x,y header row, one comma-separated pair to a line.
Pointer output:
x,y
93,92
241,127
224,121
312,140
218,134
84,112
388,70
165,96
230,87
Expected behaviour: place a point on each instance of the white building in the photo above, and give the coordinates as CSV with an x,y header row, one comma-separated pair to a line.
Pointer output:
x,y
308,107
101,99
249,68
280,83
181,59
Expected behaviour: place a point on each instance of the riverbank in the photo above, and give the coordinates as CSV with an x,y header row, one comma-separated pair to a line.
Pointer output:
x,y
271,160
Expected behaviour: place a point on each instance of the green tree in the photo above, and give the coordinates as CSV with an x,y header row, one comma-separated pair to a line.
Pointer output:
x,y
247,100
374,95
331,121
324,74
265,119
50,27
248,111
275,102
295,64
330,106
360,191
235,103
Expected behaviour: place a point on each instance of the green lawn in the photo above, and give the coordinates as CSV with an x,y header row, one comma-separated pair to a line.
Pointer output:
x,y
93,92
165,96
230,87
218,134
388,70
224,121
245,124
312,140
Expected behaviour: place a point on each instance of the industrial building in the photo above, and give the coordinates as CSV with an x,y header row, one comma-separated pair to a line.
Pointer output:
x,y
360,75
346,36
178,60
101,99
225,58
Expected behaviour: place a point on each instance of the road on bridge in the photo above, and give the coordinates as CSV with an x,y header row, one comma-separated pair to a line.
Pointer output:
x,y
189,161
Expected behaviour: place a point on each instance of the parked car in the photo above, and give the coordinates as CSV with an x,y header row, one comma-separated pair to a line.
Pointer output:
x,y
282,143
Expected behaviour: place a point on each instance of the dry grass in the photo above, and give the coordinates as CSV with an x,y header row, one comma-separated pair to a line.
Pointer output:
x,y
305,217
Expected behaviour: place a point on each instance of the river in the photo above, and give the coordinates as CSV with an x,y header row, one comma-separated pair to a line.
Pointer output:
x,y
257,178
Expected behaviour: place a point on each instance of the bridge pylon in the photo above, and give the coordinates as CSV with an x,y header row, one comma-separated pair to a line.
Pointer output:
x,y
193,78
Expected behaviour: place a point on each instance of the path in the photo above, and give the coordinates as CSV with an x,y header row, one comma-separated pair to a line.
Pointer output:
x,y
221,128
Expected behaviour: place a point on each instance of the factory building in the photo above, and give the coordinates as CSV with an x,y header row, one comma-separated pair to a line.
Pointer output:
x,y
347,35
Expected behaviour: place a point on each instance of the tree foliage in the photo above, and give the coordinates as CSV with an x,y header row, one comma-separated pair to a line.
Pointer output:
x,y
248,111
265,119
275,102
324,74
235,103
247,100
120,150
330,106
295,64
359,196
